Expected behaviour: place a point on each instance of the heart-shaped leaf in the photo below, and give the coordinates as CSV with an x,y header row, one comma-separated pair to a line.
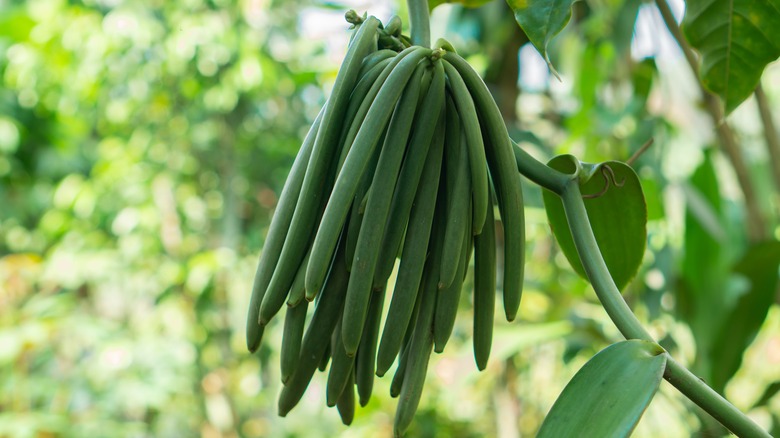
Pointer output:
x,y
541,20
608,395
736,40
617,212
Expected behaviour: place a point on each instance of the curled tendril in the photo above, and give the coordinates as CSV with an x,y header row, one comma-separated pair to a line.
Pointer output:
x,y
609,178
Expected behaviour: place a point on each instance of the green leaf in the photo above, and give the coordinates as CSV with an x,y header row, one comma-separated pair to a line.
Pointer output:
x,y
642,74
759,267
736,40
608,395
617,212
703,289
541,20
623,24
769,392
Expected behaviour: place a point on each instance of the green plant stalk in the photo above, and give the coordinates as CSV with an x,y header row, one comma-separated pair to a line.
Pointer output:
x,y
419,22
710,401
539,173
617,309
595,267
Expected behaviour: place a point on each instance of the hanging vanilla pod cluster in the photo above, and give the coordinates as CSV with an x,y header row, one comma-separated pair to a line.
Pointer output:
x,y
405,161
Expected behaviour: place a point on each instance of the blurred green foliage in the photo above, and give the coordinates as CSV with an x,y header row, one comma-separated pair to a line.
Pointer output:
x,y
142,146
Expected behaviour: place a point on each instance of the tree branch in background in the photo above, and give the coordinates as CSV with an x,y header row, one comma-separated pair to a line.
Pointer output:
x,y
756,225
770,134
504,68
640,151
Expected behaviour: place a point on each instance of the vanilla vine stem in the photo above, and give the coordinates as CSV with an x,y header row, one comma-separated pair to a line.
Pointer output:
x,y
567,187
419,22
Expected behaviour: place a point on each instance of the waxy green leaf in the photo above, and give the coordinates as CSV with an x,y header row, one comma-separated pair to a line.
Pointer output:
x,y
617,212
607,396
736,40
759,268
541,20
723,301
703,286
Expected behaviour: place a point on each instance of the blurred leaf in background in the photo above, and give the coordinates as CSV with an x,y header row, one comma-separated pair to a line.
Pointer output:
x,y
143,144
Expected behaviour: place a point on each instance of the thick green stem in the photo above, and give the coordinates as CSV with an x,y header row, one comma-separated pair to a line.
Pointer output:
x,y
419,22
710,401
596,268
617,309
539,173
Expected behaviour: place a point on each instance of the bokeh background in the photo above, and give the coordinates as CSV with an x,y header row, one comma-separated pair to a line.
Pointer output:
x,y
143,145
